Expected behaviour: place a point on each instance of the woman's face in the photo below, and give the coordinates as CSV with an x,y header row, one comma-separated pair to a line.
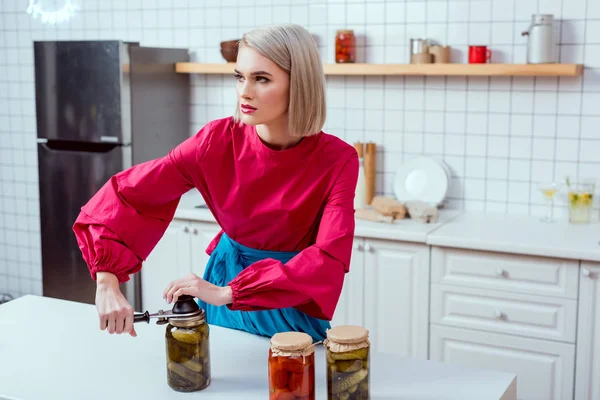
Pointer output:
x,y
263,88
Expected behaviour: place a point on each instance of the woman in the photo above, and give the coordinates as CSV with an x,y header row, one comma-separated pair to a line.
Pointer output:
x,y
281,190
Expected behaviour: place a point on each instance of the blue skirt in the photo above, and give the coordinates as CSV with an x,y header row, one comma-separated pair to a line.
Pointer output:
x,y
227,260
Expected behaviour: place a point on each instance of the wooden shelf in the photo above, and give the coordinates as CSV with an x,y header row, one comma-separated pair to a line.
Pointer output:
x,y
413,69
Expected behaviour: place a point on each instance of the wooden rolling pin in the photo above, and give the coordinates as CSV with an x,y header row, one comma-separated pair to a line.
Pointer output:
x,y
370,163
389,207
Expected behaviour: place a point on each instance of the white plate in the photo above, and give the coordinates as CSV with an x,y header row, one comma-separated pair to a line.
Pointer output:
x,y
423,179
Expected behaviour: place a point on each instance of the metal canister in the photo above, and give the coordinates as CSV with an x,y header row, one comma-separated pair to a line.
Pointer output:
x,y
541,40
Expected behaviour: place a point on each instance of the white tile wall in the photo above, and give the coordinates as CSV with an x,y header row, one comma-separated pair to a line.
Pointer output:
x,y
498,135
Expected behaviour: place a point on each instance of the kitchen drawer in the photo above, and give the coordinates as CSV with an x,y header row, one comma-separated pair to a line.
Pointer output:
x,y
509,272
496,311
544,369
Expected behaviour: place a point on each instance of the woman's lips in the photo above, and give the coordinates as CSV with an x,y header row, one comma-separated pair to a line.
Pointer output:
x,y
247,109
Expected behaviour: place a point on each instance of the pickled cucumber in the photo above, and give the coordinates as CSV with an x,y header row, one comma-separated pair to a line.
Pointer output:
x,y
186,336
344,396
353,389
348,380
352,355
364,386
349,366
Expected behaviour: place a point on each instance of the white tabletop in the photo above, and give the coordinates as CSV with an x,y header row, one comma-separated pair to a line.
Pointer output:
x,y
52,349
520,234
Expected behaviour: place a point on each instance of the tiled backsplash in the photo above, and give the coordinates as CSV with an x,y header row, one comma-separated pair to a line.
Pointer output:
x,y
499,135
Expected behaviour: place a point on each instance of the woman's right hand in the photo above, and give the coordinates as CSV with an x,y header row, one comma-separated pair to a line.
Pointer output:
x,y
115,312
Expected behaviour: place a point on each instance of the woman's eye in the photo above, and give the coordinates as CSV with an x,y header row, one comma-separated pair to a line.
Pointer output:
x,y
238,77
261,79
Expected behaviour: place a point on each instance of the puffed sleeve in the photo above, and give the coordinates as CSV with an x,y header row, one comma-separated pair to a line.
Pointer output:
x,y
312,280
122,223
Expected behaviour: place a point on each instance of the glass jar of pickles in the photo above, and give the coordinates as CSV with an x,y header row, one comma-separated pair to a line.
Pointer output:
x,y
291,367
347,351
188,357
345,46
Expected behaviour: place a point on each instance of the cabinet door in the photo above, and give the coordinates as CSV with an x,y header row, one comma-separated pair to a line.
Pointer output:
x,y
202,234
397,297
349,310
544,368
168,261
587,384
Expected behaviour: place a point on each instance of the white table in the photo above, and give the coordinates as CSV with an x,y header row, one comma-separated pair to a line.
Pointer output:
x,y
53,349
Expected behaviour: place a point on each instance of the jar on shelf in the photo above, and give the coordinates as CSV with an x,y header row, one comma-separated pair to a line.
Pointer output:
x,y
291,366
345,46
347,350
188,355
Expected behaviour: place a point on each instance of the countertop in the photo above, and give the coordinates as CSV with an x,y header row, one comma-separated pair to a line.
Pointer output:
x,y
52,349
467,229
405,230
520,235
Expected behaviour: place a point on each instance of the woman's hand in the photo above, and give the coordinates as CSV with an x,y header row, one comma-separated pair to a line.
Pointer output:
x,y
115,312
193,285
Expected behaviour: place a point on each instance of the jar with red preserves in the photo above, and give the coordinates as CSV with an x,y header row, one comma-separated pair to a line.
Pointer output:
x,y
291,367
345,46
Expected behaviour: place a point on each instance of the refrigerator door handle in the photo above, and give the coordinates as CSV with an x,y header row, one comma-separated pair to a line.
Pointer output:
x,y
71,146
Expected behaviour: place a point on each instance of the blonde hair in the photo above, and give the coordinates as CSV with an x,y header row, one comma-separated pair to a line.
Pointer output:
x,y
292,48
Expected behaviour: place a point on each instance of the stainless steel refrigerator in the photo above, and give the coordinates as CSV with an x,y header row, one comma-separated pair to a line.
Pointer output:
x,y
101,107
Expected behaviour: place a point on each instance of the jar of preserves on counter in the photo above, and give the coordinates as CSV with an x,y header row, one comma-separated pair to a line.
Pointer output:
x,y
188,356
291,367
347,351
345,46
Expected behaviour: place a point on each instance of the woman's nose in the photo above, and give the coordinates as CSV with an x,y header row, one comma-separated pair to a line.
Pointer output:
x,y
245,91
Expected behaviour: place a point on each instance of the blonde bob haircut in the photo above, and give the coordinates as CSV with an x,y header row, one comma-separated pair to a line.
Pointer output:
x,y
292,48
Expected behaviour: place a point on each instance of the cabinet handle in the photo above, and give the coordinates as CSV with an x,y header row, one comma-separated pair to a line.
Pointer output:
x,y
369,248
358,246
586,272
195,231
186,229
500,272
499,314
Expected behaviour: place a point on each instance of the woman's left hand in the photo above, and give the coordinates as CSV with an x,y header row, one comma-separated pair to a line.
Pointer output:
x,y
193,285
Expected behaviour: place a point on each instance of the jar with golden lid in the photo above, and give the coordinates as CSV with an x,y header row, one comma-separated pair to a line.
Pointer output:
x,y
188,355
291,367
345,46
347,350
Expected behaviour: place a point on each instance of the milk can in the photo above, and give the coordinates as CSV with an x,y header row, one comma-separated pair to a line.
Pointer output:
x,y
541,40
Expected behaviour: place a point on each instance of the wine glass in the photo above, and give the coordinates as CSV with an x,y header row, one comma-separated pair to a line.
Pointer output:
x,y
548,189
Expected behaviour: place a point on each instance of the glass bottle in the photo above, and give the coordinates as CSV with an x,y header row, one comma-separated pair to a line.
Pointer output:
x,y
345,46
347,350
188,355
291,367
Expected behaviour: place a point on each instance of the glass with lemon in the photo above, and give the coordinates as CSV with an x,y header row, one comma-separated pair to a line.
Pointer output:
x,y
581,197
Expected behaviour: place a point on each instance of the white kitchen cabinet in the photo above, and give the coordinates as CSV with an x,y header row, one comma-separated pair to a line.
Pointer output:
x,y
169,260
544,368
180,251
350,307
202,233
387,291
587,380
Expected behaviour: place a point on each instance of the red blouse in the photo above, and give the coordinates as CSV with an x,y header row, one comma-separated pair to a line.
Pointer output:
x,y
298,199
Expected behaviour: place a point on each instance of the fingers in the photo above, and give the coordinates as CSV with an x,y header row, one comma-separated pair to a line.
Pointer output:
x,y
103,321
128,323
179,292
186,283
112,320
133,332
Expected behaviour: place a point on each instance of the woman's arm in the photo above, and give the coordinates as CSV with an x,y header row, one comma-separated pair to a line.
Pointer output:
x,y
121,224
